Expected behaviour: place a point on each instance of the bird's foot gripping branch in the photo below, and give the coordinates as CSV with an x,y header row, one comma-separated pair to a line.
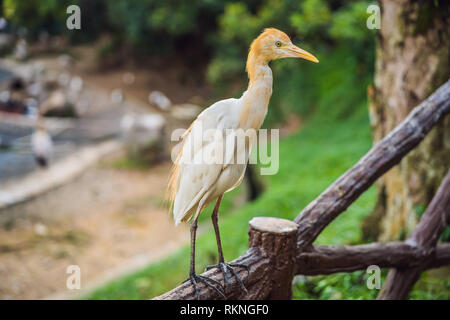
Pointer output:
x,y
270,259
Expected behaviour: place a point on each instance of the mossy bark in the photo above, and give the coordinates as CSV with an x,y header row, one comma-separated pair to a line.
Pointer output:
x,y
412,60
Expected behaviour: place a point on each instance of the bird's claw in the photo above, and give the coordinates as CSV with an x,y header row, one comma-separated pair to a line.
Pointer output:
x,y
195,278
224,267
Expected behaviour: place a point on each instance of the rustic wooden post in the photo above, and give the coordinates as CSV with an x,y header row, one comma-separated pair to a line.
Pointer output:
x,y
276,239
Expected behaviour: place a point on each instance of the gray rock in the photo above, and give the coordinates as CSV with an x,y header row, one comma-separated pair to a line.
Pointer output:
x,y
144,137
57,105
116,96
21,50
6,42
64,79
128,78
76,84
65,61
186,111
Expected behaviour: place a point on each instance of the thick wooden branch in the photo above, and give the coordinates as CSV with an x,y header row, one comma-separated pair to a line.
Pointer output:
x,y
383,156
333,259
259,267
424,238
433,222
442,256
271,261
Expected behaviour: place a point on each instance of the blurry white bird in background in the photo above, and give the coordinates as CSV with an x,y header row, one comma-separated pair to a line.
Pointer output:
x,y
159,100
194,185
41,143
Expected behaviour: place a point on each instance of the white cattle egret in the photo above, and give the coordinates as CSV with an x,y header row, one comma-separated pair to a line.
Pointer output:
x,y
193,183
42,144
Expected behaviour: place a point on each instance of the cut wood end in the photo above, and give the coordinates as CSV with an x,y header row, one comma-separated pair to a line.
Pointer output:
x,y
273,225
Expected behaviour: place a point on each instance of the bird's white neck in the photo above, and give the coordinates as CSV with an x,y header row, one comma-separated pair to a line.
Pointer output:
x,y
255,100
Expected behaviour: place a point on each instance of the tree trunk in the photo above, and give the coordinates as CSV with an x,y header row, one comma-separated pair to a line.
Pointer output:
x,y
412,60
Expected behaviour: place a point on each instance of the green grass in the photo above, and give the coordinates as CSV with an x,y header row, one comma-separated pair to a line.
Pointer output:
x,y
128,163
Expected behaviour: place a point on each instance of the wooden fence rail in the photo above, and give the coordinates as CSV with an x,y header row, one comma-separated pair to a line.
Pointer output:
x,y
279,249
334,259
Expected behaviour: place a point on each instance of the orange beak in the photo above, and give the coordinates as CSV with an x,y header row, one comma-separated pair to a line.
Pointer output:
x,y
300,53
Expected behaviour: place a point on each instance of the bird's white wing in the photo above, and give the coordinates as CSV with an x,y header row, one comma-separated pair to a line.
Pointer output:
x,y
198,164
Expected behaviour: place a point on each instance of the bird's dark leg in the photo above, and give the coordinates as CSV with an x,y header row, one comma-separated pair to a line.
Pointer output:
x,y
222,265
215,220
193,236
195,278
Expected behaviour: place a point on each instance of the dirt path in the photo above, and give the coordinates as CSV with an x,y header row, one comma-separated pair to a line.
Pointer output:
x,y
99,221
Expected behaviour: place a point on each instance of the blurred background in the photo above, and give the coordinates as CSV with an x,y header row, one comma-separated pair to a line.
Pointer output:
x,y
86,117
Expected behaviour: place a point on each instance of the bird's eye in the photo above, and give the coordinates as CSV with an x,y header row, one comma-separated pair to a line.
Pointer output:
x,y
278,43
